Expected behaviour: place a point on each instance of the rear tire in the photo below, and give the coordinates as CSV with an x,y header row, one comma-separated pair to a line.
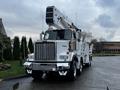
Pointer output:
x,y
88,64
79,71
90,60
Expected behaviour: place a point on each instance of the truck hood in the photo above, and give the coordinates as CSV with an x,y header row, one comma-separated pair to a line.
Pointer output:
x,y
62,48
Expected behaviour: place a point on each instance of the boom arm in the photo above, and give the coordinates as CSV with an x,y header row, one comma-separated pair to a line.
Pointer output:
x,y
54,18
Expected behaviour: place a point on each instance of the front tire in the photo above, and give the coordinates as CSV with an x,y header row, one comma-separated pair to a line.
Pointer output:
x,y
37,74
72,73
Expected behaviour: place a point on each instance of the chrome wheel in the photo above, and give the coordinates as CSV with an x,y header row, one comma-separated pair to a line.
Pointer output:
x,y
81,67
75,71
79,71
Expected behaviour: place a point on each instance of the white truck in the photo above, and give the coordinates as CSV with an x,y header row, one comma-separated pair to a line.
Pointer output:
x,y
62,49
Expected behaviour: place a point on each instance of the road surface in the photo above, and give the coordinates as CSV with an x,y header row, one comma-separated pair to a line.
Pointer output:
x,y
105,71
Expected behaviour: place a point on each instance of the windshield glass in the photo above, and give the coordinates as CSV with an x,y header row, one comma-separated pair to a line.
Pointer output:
x,y
58,35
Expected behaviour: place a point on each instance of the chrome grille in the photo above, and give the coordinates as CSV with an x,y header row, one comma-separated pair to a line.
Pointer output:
x,y
45,51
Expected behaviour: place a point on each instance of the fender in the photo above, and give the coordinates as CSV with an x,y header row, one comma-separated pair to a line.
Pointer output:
x,y
72,55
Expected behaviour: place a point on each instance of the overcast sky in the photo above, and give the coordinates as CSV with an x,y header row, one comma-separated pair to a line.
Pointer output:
x,y
27,17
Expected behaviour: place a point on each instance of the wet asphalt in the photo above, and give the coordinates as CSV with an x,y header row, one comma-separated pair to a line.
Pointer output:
x,y
104,72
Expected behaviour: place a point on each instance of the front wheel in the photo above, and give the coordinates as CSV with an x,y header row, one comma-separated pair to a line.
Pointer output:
x,y
72,73
37,74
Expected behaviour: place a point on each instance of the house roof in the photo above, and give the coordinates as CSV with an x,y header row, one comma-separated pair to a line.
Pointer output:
x,y
2,29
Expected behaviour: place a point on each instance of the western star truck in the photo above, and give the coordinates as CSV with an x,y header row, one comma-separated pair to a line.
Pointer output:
x,y
63,48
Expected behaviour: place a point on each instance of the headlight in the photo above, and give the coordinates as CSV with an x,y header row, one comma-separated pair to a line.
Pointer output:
x,y
27,64
63,57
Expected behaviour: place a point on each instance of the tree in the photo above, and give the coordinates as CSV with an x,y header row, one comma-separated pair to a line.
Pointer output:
x,y
16,48
102,39
7,50
30,46
7,54
94,41
24,49
1,50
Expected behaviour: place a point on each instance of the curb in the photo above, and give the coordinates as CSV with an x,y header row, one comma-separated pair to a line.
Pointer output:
x,y
16,77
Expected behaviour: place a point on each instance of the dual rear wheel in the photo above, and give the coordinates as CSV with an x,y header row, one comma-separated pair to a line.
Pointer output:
x,y
79,71
73,71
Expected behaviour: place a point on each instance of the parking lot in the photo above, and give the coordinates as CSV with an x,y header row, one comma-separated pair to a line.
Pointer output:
x,y
104,72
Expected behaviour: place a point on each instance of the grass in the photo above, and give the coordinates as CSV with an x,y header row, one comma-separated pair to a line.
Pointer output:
x,y
15,70
106,54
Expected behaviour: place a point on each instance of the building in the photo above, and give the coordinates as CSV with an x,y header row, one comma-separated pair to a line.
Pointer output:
x,y
2,29
107,47
4,39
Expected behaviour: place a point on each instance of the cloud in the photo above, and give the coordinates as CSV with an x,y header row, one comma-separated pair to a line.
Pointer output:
x,y
101,17
116,36
105,21
106,3
34,35
109,18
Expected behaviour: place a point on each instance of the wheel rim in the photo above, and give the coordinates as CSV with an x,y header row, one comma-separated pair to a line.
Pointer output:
x,y
90,63
75,71
81,67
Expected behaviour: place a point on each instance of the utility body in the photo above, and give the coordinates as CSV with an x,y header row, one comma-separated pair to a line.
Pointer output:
x,y
63,48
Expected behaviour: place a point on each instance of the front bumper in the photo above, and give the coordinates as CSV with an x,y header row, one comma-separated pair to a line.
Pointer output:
x,y
48,66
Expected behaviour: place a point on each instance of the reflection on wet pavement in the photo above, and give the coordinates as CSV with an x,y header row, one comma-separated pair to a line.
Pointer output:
x,y
16,86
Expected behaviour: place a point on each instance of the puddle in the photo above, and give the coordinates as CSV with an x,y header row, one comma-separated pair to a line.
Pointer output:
x,y
15,86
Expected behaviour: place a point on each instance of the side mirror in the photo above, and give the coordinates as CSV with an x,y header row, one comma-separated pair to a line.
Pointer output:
x,y
41,35
79,36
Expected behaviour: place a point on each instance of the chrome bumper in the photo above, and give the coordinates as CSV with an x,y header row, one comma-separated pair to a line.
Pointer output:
x,y
59,66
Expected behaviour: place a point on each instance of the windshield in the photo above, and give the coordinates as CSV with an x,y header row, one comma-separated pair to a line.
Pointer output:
x,y
58,35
